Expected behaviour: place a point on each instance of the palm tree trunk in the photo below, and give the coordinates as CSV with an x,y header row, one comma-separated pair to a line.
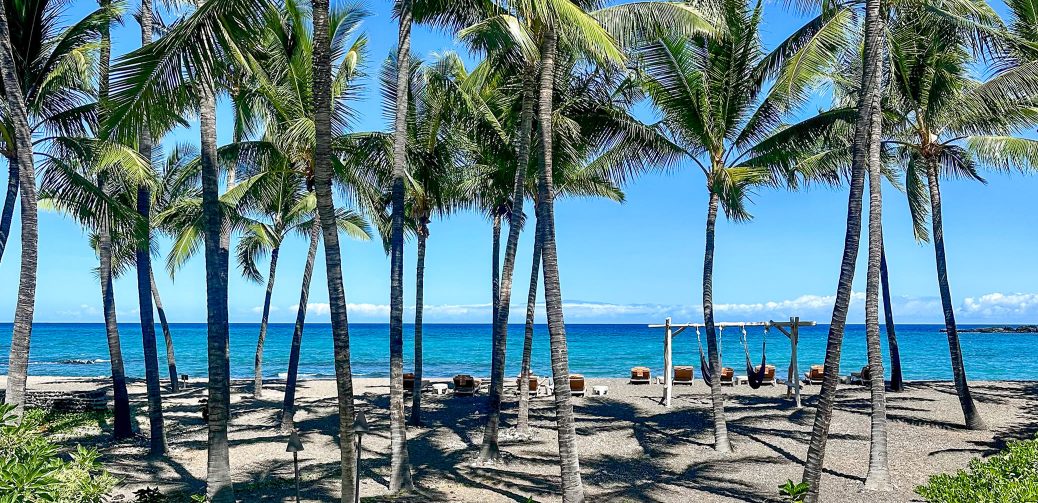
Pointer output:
x,y
171,356
523,423
897,382
400,467
12,195
490,451
572,487
878,478
868,119
721,442
122,427
219,487
143,257
257,387
120,398
495,279
18,365
962,387
288,410
419,307
333,260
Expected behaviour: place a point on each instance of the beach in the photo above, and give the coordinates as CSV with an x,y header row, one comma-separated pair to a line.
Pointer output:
x,y
632,448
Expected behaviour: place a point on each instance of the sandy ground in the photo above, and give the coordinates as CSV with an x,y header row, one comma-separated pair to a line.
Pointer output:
x,y
631,447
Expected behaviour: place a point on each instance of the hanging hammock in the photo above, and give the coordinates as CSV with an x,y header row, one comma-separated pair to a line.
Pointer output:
x,y
703,365
755,377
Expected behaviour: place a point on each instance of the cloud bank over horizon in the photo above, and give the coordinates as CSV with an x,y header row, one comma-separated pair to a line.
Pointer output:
x,y
989,308
996,307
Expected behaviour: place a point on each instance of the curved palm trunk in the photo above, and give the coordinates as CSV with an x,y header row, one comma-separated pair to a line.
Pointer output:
x,y
288,409
878,478
332,255
721,442
896,380
143,257
12,195
419,307
257,387
400,467
122,427
219,488
490,450
867,121
171,356
572,486
18,365
962,387
523,424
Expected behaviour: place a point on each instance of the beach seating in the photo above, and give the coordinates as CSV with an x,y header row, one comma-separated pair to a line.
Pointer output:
x,y
408,383
640,375
769,375
465,385
863,377
727,376
576,385
814,376
683,374
533,384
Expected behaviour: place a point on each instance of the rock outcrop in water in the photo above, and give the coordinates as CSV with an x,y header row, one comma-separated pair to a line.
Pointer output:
x,y
1006,329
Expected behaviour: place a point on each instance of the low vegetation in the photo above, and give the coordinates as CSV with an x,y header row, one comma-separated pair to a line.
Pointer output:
x,y
1008,477
32,468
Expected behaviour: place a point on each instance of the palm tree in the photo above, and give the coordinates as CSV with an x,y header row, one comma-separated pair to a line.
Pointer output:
x,y
867,123
949,125
322,169
19,360
699,84
154,85
400,469
288,207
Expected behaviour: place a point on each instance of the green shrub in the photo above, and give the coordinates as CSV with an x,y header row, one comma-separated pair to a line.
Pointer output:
x,y
1008,477
31,468
793,492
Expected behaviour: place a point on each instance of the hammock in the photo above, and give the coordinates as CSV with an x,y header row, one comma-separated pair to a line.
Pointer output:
x,y
755,377
703,364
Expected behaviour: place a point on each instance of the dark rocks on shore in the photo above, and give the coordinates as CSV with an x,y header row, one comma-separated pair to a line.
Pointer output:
x,y
1021,329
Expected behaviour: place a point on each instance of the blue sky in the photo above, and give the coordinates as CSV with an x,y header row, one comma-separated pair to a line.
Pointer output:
x,y
636,262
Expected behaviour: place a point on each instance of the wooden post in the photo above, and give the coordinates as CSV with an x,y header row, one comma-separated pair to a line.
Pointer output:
x,y
794,332
668,363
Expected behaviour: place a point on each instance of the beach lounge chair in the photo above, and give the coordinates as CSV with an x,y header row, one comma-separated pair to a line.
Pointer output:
x,y
727,376
814,376
864,377
533,384
408,383
769,375
576,385
465,385
683,374
640,375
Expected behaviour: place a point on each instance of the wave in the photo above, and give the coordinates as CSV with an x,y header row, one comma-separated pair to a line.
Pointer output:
x,y
74,361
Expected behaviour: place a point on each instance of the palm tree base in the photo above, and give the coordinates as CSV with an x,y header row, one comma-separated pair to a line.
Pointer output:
x,y
878,482
490,454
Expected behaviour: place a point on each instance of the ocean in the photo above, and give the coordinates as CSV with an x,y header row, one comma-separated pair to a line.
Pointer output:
x,y
80,349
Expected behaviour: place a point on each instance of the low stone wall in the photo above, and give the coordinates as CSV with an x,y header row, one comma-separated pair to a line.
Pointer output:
x,y
66,401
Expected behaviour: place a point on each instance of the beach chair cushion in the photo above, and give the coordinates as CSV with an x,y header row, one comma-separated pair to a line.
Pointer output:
x,y
640,374
576,383
465,384
408,382
683,373
533,383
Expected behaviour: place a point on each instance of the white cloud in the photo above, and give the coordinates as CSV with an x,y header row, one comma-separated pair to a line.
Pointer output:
x,y
1002,306
84,311
989,308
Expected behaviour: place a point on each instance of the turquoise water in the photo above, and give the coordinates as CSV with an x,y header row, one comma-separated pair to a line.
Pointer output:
x,y
595,350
